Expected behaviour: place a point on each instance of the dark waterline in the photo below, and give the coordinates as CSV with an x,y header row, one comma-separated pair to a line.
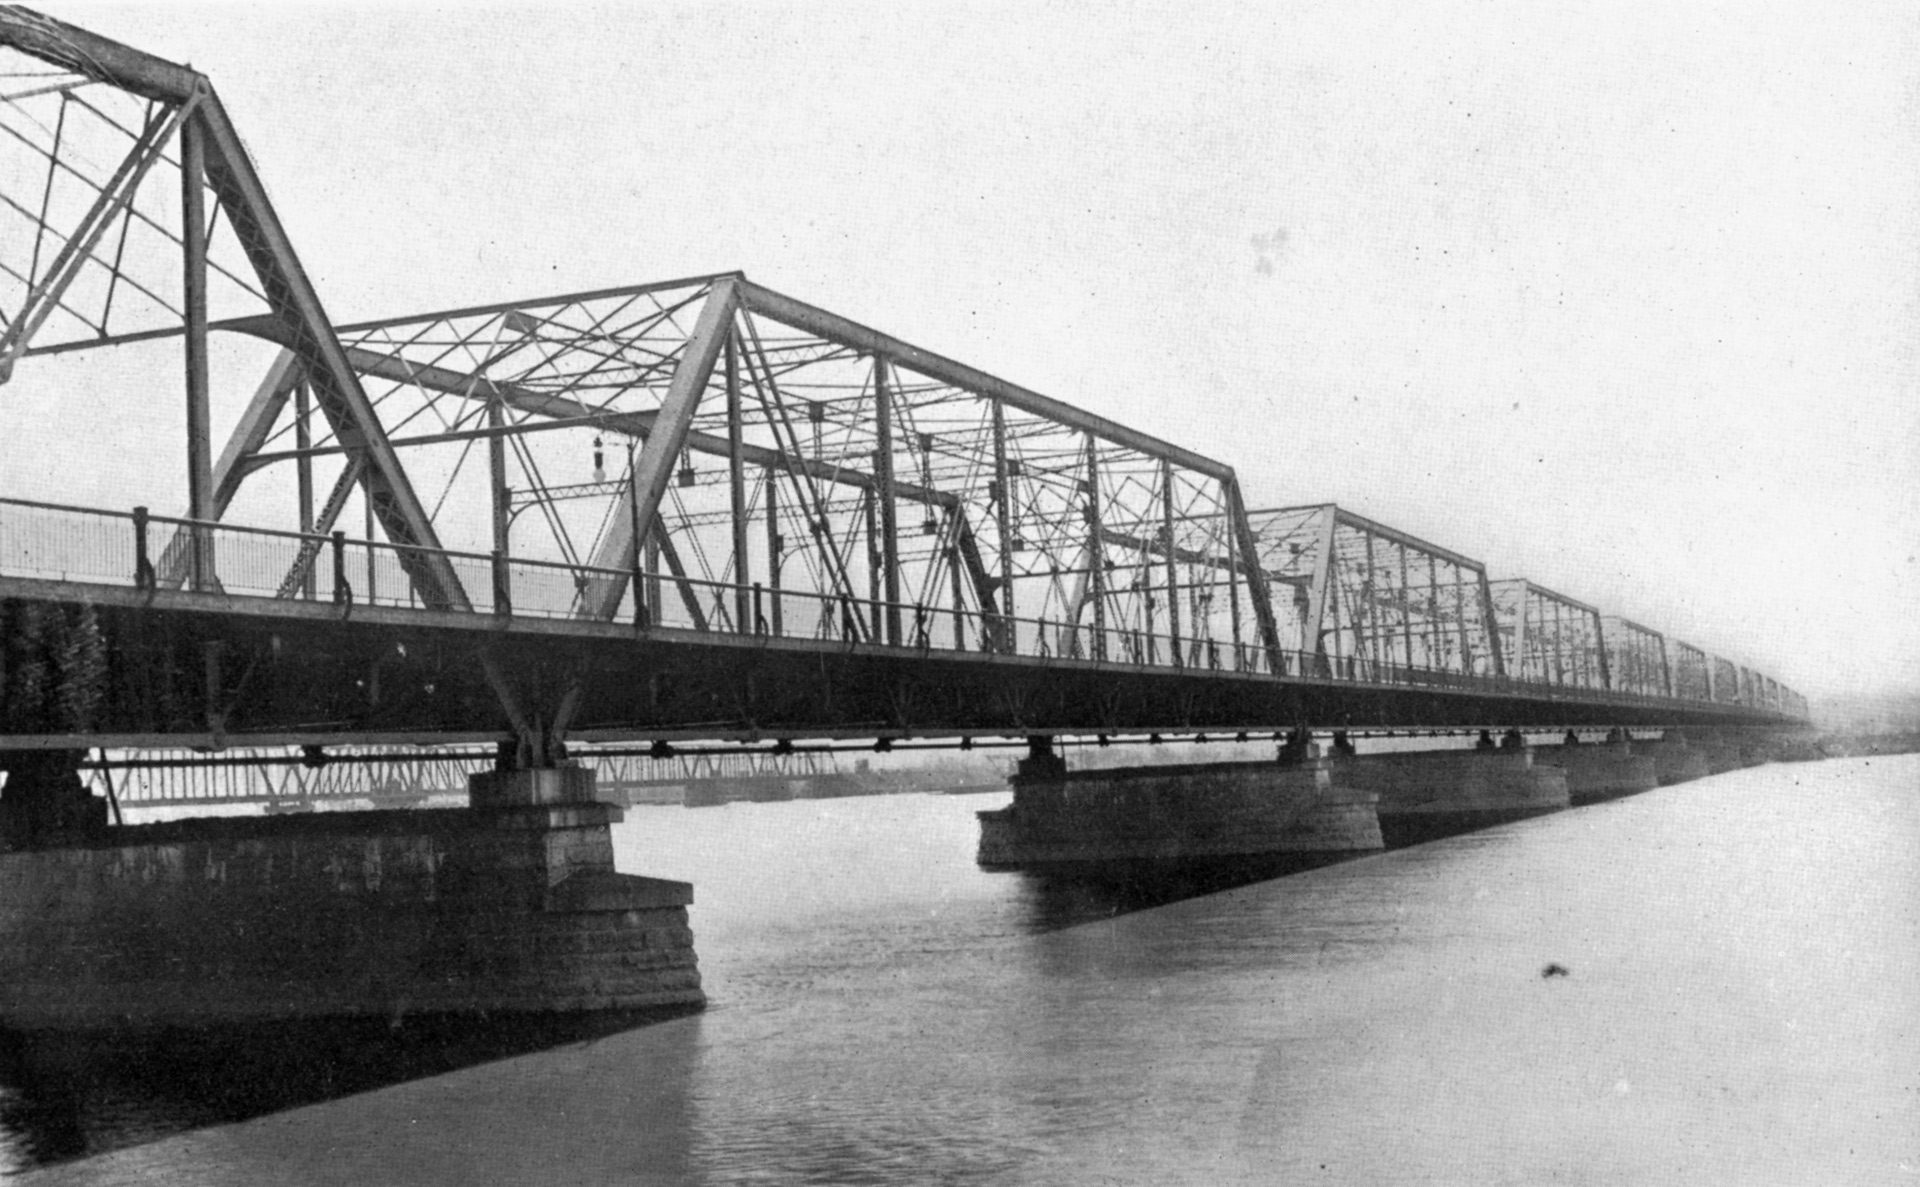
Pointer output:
x,y
1738,1004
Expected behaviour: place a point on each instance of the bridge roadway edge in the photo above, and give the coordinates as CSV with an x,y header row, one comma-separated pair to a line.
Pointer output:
x,y
304,673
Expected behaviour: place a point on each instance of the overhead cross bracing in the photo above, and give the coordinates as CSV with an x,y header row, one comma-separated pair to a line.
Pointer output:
x,y
700,460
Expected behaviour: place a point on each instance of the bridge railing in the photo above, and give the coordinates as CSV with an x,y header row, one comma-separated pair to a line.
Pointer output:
x,y
55,542
91,546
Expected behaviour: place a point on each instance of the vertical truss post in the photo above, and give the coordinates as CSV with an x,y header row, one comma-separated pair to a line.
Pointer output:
x,y
1460,618
1257,590
1233,596
193,237
1559,675
889,526
1492,622
1600,651
1314,630
502,497
773,548
1430,639
366,504
1173,570
1096,553
875,619
959,604
1008,637
1666,669
303,474
1369,606
737,488
651,567
1406,604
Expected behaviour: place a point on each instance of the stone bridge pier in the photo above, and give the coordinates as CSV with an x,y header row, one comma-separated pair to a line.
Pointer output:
x,y
1173,814
1425,795
510,906
1599,771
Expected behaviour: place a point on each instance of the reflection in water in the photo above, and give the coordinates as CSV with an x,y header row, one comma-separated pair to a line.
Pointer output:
x,y
65,1095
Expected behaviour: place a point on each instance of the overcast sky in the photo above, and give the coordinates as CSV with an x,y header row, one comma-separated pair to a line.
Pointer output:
x,y
1621,298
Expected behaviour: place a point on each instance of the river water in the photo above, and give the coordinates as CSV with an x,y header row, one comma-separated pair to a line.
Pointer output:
x,y
1740,1006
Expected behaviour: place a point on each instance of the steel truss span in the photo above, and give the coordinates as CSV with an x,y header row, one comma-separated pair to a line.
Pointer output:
x,y
700,471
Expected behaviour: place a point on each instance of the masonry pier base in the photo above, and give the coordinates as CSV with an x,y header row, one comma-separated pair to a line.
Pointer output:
x,y
1600,771
1166,816
510,907
1675,760
1426,795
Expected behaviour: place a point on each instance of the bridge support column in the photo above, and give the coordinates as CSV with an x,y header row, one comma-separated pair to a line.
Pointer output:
x,y
1600,771
511,906
1675,760
1430,794
484,911
1758,747
1170,816
1721,754
44,802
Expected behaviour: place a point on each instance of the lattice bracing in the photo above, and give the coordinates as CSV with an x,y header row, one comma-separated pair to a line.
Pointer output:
x,y
870,490
1637,659
1355,592
93,202
1548,637
112,252
1726,680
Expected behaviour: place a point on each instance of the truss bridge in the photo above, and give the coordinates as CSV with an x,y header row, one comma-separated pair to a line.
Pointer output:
x,y
693,509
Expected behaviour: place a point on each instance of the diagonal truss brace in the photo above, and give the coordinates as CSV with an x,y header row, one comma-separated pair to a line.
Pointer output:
x,y
647,483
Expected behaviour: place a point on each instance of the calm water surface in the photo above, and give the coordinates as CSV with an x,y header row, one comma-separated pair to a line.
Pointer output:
x,y
1744,957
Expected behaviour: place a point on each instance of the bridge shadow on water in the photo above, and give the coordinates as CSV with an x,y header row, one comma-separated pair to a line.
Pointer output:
x,y
68,1094
1086,892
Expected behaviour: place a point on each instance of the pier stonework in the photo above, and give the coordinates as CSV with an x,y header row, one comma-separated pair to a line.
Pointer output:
x,y
1600,771
507,909
1428,794
1675,760
1175,813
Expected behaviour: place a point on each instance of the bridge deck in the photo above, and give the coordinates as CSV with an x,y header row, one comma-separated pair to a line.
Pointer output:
x,y
205,669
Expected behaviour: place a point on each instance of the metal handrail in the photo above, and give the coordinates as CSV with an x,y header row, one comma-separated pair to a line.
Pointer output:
x,y
922,625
